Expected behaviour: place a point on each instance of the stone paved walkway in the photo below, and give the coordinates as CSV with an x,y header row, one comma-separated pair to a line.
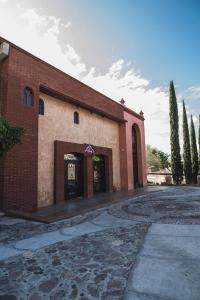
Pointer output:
x,y
102,254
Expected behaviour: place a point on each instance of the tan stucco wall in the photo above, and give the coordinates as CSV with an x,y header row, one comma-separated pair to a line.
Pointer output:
x,y
57,124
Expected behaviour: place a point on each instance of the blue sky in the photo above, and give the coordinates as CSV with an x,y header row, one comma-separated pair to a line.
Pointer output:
x,y
129,49
160,36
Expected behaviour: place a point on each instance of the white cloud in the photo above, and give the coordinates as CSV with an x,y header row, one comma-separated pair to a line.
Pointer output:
x,y
66,25
33,20
193,92
118,83
195,119
39,34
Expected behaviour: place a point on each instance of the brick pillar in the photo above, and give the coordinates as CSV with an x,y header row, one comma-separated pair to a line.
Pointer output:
x,y
89,176
20,164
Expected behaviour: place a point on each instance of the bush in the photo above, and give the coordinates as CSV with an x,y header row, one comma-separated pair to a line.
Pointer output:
x,y
9,136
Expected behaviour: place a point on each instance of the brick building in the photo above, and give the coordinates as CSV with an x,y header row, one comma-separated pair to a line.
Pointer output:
x,y
77,142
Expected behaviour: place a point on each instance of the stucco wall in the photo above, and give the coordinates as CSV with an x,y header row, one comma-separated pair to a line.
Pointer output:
x,y
131,120
57,124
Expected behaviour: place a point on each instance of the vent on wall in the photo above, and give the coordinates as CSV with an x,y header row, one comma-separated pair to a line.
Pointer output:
x,y
4,50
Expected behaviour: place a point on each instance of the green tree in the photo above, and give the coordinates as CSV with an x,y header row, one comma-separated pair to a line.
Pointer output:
x,y
187,164
164,159
153,163
9,136
176,164
156,160
194,152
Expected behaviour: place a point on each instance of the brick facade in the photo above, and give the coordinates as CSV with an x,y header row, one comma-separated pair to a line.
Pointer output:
x,y
19,169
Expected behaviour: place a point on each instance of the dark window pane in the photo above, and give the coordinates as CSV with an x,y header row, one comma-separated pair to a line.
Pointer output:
x,y
76,117
41,107
28,97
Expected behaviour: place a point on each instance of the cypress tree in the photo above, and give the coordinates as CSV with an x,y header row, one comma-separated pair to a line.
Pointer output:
x,y
194,152
176,164
187,164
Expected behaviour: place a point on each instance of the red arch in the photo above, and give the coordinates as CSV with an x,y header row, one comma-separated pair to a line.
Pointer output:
x,y
137,156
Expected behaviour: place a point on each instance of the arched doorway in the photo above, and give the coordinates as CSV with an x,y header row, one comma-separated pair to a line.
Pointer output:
x,y
73,175
99,181
135,144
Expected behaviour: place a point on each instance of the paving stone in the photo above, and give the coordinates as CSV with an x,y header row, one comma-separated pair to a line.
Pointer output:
x,y
93,290
79,266
35,296
48,285
91,256
7,297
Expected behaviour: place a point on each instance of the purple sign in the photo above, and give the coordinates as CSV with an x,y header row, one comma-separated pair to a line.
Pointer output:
x,y
89,150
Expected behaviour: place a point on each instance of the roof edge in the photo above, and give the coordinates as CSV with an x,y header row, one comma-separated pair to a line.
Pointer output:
x,y
80,82
53,93
134,113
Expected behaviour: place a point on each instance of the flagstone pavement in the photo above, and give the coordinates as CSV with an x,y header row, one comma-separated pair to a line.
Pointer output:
x,y
147,247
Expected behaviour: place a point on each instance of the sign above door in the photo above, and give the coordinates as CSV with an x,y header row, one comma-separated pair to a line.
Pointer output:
x,y
89,150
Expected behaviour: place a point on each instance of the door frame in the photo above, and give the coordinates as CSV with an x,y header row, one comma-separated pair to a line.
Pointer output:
x,y
61,148
79,165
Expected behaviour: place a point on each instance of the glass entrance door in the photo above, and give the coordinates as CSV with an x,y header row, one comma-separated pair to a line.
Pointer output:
x,y
73,175
99,174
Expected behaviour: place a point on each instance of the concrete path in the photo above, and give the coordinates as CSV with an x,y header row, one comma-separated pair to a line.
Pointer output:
x,y
48,238
168,267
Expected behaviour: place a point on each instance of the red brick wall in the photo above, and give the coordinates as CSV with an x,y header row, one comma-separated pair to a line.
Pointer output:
x,y
20,164
3,91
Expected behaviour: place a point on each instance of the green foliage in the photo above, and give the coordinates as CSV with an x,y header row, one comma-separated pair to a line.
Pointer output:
x,y
9,136
164,159
194,152
187,164
156,160
176,164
